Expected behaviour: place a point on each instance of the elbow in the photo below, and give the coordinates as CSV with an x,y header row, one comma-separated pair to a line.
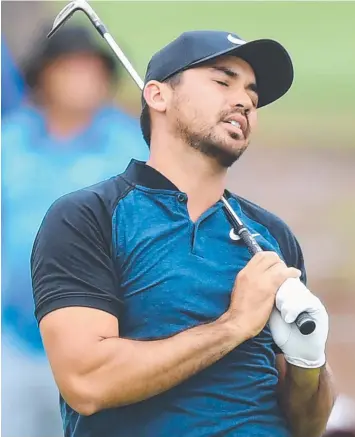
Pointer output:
x,y
82,398
84,408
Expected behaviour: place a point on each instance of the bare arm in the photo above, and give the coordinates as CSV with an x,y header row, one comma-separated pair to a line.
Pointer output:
x,y
307,397
78,303
96,369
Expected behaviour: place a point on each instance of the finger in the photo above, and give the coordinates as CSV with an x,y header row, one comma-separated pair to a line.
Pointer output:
x,y
292,298
280,330
265,260
283,272
293,272
279,274
294,307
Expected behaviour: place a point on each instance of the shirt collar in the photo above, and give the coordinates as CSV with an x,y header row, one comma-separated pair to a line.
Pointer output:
x,y
139,173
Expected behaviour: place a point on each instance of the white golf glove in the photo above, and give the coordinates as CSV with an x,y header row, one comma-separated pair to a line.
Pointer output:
x,y
307,351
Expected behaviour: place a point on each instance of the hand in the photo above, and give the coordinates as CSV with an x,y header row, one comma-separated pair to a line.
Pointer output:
x,y
307,351
253,295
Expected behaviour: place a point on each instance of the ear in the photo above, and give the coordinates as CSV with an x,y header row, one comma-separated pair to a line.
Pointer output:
x,y
154,95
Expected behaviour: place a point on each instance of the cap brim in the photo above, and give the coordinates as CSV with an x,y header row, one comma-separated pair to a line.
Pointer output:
x,y
271,63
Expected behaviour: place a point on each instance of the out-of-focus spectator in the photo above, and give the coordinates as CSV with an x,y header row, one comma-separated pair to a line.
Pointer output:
x,y
68,135
12,83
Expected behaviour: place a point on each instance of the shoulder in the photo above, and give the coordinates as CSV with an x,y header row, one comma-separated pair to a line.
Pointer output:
x,y
71,260
25,114
274,223
18,129
278,228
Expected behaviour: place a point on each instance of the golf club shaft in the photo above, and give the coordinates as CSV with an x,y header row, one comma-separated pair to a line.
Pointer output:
x,y
304,322
121,56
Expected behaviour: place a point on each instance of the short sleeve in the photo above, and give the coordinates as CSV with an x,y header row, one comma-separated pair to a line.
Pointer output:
x,y
293,255
71,261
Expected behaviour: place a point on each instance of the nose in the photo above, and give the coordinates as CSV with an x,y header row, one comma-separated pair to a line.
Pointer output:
x,y
243,109
242,101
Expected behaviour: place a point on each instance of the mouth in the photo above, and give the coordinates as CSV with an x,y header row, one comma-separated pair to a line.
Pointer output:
x,y
235,130
238,124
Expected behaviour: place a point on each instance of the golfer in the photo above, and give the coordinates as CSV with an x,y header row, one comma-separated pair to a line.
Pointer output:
x,y
155,319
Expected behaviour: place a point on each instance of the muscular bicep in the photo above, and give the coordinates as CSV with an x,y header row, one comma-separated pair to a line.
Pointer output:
x,y
71,337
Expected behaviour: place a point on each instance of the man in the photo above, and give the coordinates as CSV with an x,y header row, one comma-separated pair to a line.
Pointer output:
x,y
153,315
69,135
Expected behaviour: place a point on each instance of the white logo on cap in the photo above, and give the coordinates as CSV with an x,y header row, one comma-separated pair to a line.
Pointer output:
x,y
235,40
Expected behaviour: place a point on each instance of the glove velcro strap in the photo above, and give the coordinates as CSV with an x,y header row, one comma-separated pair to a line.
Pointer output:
x,y
305,363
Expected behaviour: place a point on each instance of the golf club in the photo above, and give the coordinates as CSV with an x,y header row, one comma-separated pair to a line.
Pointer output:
x,y
83,5
304,322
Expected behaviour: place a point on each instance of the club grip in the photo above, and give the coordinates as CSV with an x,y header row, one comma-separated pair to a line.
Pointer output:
x,y
305,323
249,241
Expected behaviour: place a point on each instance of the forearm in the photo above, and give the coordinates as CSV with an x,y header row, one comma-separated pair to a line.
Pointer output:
x,y
127,371
307,397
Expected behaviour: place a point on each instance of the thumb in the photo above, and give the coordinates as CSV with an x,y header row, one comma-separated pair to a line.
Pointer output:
x,y
280,330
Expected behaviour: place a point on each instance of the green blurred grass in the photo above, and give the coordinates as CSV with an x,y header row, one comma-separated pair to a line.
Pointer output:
x,y
320,37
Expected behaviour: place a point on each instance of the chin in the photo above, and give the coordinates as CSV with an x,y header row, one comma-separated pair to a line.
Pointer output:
x,y
222,148
227,155
233,151
234,146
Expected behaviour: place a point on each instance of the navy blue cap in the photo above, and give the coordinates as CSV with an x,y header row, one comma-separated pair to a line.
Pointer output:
x,y
270,61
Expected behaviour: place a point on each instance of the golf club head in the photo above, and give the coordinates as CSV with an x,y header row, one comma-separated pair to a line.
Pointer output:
x,y
63,16
84,6
69,10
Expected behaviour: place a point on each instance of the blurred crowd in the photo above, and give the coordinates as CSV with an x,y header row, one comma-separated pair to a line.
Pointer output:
x,y
61,130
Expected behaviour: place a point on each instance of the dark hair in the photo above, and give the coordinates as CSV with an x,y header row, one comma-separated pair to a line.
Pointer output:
x,y
173,81
71,39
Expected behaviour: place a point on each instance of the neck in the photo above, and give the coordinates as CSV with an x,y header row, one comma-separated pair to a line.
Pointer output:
x,y
63,123
197,175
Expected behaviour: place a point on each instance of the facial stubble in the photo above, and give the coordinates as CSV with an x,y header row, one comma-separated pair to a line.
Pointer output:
x,y
205,140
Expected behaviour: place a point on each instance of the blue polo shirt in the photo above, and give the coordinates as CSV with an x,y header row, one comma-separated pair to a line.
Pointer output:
x,y
127,246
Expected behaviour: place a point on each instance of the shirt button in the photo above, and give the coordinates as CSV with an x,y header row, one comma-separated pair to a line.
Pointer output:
x,y
181,197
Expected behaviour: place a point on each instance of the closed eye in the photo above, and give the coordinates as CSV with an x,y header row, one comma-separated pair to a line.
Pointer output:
x,y
221,83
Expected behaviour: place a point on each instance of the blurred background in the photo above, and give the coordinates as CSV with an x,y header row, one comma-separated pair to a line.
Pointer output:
x,y
70,119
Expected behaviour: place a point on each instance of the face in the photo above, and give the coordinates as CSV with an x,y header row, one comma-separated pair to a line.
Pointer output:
x,y
213,108
75,83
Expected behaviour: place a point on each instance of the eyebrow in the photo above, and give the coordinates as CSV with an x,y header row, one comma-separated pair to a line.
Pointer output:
x,y
233,74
